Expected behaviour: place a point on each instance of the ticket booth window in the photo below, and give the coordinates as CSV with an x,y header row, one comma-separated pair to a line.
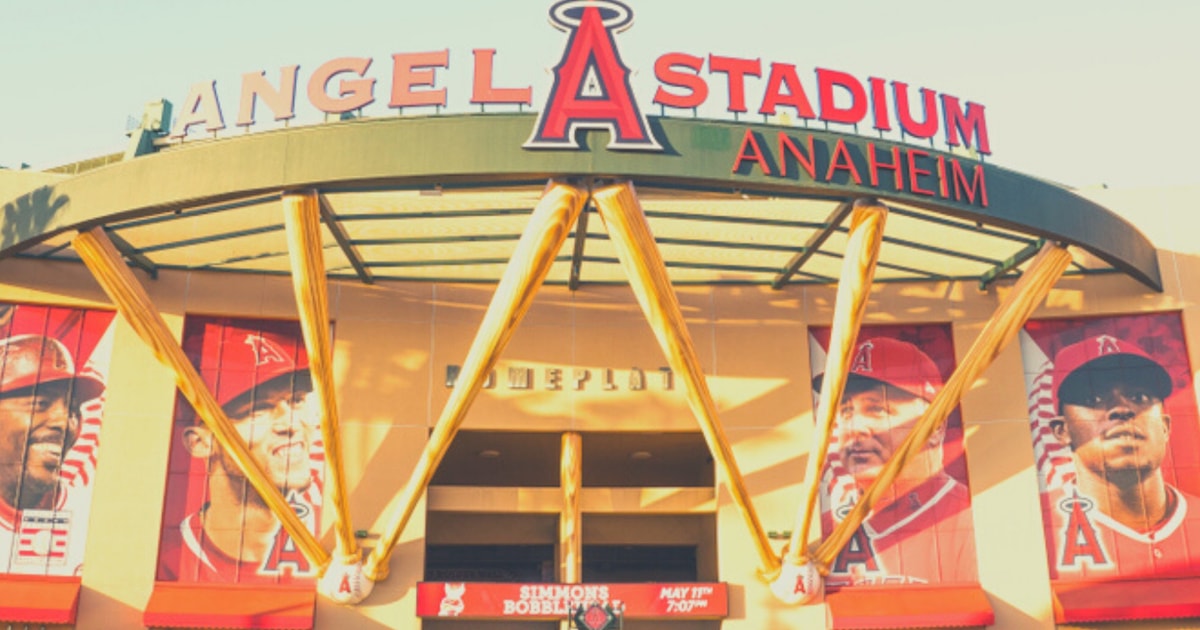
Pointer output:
x,y
639,563
489,563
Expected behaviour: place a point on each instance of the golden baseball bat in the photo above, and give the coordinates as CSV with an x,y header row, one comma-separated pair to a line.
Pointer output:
x,y
1045,270
570,532
110,271
854,288
302,220
544,236
622,214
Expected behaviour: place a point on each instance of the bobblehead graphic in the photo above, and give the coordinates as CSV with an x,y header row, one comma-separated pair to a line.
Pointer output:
x,y
53,366
216,528
921,531
1114,424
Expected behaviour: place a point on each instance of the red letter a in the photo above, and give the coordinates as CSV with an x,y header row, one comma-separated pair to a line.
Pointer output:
x,y
1079,540
591,84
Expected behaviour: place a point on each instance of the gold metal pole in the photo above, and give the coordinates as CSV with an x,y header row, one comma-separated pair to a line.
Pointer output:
x,y
631,237
301,213
858,271
544,236
1012,313
570,530
106,265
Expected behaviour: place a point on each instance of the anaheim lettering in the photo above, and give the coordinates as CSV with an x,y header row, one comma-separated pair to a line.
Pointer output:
x,y
902,169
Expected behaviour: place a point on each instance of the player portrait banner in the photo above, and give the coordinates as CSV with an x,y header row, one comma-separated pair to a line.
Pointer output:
x,y
53,370
920,531
216,528
493,600
1112,413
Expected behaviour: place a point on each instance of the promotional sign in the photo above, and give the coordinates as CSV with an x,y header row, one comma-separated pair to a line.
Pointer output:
x,y
494,600
1113,417
53,370
216,528
920,531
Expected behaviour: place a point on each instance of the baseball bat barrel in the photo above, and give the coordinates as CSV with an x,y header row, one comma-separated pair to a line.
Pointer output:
x,y
630,235
110,271
1045,270
867,221
548,228
302,220
570,532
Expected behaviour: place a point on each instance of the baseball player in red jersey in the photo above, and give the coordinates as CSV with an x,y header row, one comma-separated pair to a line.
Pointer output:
x,y
1120,517
920,531
260,377
40,397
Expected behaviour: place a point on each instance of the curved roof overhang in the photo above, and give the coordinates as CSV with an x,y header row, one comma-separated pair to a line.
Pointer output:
x,y
445,197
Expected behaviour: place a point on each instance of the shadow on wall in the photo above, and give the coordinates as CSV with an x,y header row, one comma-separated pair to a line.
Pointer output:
x,y
28,215
98,608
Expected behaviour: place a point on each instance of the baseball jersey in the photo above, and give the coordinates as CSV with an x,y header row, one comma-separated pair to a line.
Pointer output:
x,y
1087,543
42,541
189,557
925,536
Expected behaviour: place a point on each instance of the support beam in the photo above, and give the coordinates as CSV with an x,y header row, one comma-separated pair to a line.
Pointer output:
x,y
343,241
577,254
858,271
570,529
1010,263
1012,313
536,252
110,271
814,243
134,256
302,219
639,255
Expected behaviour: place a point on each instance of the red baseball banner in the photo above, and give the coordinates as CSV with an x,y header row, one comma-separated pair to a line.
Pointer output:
x,y
215,526
53,370
493,600
921,532
1113,416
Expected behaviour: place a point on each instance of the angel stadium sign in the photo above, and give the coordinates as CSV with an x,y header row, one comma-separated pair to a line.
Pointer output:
x,y
591,90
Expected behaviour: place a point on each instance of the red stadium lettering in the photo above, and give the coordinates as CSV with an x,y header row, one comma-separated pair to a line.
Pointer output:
x,y
665,72
752,152
591,84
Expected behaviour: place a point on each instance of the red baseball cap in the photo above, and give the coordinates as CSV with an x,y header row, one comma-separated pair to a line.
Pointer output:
x,y
893,362
29,360
1106,352
237,359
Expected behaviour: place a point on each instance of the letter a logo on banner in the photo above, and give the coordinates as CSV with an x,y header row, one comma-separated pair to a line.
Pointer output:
x,y
591,83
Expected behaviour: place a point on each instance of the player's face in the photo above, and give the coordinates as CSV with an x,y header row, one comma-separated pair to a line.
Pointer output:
x,y
874,420
1117,429
36,428
277,425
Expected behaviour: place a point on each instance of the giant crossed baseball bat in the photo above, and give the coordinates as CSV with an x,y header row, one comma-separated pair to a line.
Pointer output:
x,y
544,236
301,213
639,255
858,271
570,532
1012,313
110,271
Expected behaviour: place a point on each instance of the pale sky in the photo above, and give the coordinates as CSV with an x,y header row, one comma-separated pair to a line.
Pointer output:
x,y
1078,92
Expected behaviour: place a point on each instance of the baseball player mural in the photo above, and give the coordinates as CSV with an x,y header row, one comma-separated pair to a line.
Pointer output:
x,y
921,531
52,380
1113,416
216,528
